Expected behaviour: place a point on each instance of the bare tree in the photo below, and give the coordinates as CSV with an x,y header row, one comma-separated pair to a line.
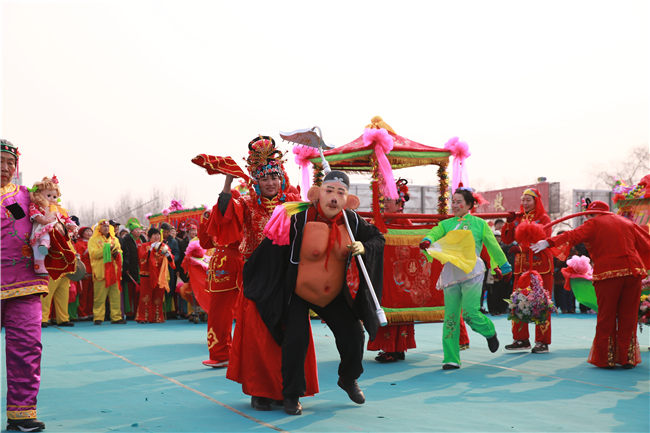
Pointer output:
x,y
630,170
127,206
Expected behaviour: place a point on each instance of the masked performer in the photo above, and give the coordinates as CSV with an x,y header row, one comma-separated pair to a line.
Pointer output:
x,y
307,263
532,211
255,357
21,300
462,279
620,251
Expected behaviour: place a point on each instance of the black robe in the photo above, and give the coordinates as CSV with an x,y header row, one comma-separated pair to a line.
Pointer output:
x,y
271,271
130,259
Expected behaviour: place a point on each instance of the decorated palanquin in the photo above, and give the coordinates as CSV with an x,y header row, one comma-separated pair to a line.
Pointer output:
x,y
178,218
409,286
410,293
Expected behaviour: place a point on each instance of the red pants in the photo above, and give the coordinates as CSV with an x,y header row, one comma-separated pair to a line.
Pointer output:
x,y
618,307
86,297
222,306
543,331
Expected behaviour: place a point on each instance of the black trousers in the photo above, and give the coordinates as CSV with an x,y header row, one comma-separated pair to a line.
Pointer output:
x,y
348,334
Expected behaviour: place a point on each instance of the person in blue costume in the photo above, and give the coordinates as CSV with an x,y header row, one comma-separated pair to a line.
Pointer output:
x,y
463,289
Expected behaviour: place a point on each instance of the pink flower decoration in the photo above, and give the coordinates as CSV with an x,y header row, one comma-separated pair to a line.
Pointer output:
x,y
383,144
303,155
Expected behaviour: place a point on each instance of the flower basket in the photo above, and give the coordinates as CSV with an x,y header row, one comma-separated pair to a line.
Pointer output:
x,y
529,302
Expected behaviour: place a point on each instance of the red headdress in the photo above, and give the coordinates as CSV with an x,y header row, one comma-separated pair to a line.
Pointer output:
x,y
539,206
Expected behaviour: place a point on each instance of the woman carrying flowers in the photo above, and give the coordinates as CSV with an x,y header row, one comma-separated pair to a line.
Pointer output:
x,y
532,211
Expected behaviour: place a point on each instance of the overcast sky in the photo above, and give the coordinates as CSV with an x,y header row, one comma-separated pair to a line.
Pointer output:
x,y
115,96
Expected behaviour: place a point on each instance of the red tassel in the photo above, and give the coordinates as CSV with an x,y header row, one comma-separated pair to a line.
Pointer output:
x,y
527,233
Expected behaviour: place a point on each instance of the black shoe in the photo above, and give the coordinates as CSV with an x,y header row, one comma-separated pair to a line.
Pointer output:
x,y
118,322
98,322
628,366
493,343
25,425
450,366
44,324
540,348
292,406
518,345
65,324
353,390
260,403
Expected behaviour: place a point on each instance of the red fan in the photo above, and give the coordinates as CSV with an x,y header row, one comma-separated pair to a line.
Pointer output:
x,y
220,165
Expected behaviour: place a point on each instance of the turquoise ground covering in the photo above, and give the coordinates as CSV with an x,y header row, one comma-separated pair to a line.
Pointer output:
x,y
149,378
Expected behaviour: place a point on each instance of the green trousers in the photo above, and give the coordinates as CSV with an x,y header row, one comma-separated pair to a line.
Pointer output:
x,y
463,296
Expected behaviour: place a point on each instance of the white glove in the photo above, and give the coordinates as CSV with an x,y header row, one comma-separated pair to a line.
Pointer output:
x,y
539,246
356,248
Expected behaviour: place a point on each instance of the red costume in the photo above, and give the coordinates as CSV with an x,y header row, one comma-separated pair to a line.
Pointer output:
x,y
255,357
620,251
542,263
222,284
154,281
86,285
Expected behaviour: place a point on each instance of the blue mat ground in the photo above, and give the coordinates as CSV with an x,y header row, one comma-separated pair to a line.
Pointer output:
x,y
149,378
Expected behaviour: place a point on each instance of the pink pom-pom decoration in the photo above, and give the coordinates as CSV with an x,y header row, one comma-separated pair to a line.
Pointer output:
x,y
165,212
303,156
278,227
176,205
580,267
460,151
194,249
383,144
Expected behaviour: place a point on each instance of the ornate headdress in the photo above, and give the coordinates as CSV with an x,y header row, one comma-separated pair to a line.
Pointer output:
x,y
402,190
7,146
265,159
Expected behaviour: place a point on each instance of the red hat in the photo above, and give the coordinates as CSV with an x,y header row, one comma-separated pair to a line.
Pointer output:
x,y
598,205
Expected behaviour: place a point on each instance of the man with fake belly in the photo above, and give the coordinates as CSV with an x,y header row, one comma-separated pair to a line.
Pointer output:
x,y
315,270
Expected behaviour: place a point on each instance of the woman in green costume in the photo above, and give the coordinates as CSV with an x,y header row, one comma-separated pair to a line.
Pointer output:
x,y
463,271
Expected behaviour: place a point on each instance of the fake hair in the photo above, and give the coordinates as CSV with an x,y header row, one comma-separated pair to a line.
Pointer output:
x,y
36,192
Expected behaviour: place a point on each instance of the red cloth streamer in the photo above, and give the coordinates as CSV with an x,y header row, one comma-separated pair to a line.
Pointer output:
x,y
335,234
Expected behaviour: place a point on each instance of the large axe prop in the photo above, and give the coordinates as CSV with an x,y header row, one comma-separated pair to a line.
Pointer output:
x,y
313,137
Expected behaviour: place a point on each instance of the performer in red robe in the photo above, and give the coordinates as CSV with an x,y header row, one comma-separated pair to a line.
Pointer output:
x,y
532,211
85,310
620,251
255,357
155,258
222,285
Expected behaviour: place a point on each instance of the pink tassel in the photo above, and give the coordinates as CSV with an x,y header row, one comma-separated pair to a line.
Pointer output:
x,y
277,229
460,151
383,144
303,156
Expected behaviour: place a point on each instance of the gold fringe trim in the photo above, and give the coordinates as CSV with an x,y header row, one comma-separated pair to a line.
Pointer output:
x,y
415,316
411,240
